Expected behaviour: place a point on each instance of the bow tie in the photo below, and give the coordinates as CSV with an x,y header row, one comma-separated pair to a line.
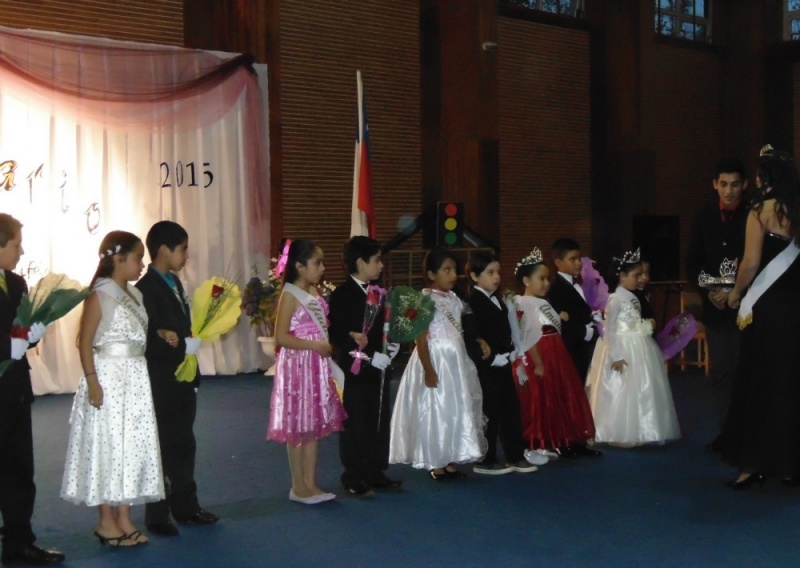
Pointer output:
x,y
577,280
365,285
726,214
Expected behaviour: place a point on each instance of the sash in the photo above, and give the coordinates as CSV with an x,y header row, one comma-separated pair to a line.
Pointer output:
x,y
314,308
551,315
311,305
766,278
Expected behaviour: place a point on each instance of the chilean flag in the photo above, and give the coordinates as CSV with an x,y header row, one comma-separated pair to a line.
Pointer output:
x,y
362,221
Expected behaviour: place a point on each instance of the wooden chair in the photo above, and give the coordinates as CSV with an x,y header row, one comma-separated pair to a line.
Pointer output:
x,y
692,302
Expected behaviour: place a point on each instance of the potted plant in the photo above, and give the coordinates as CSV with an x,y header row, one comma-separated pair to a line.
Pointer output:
x,y
260,303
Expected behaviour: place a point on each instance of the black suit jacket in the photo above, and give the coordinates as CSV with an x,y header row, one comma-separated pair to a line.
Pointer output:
x,y
347,305
164,311
15,384
710,242
492,325
565,298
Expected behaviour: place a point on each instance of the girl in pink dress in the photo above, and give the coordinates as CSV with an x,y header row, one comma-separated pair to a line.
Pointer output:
x,y
305,406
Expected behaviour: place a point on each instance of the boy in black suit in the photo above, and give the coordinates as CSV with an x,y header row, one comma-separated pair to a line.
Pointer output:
x,y
168,341
578,328
500,399
718,233
17,489
364,443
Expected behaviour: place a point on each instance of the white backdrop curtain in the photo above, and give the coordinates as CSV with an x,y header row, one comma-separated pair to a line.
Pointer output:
x,y
98,135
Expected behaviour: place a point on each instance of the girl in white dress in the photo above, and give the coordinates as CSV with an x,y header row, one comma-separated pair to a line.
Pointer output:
x,y
627,384
113,457
438,418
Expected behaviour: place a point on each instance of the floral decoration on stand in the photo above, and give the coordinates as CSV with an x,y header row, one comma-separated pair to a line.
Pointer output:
x,y
260,299
216,307
53,297
412,313
375,295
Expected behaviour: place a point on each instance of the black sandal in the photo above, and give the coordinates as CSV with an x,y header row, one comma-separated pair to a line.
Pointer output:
x,y
111,540
438,476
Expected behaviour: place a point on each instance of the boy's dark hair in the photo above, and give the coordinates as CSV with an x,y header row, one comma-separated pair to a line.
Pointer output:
x,y
730,166
478,263
9,227
562,246
167,233
435,259
359,247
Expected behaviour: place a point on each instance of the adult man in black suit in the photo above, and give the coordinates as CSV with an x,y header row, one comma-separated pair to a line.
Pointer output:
x,y
578,328
364,443
718,234
17,489
175,402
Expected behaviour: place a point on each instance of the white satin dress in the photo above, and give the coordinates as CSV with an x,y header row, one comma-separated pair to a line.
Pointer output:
x,y
433,427
634,406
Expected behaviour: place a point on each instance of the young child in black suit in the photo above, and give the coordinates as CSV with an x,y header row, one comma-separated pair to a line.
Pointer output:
x,y
364,443
168,342
578,328
500,400
17,489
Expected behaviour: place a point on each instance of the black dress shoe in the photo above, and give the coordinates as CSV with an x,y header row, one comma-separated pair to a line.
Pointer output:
x,y
383,482
32,555
358,488
747,482
567,452
201,517
164,528
581,450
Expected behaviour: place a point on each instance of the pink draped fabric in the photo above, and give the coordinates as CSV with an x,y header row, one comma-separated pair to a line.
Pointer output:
x,y
123,85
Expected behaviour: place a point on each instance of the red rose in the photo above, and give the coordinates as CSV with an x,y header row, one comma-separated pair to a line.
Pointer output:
x,y
216,291
411,313
373,297
20,332
520,313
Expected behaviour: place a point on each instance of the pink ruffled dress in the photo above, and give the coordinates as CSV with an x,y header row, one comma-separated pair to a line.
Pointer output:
x,y
305,405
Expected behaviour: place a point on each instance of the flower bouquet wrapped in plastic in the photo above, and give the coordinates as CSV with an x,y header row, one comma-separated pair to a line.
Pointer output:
x,y
676,335
375,295
53,297
216,307
411,314
595,290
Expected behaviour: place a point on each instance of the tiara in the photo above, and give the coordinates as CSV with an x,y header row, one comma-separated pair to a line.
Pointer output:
x,y
766,150
109,252
630,257
727,275
534,258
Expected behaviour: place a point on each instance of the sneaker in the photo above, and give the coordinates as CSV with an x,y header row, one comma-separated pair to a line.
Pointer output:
x,y
492,468
535,458
522,466
550,454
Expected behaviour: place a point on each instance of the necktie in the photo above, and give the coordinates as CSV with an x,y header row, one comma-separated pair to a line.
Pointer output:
x,y
726,214
3,283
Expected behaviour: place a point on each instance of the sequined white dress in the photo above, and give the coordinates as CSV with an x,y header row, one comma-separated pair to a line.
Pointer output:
x,y
635,406
432,427
113,456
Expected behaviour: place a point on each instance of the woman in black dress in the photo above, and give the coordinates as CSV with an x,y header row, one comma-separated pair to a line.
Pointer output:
x,y
763,426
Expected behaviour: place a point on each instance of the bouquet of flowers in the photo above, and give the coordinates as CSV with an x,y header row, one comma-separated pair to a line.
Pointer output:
x,y
375,295
676,335
53,297
412,313
595,290
260,299
216,307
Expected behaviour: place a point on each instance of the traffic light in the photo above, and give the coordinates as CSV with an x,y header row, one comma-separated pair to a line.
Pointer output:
x,y
449,223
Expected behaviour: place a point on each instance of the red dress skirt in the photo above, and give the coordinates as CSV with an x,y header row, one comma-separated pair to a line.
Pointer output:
x,y
555,408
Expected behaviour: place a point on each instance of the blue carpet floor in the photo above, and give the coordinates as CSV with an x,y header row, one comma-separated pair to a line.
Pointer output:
x,y
650,507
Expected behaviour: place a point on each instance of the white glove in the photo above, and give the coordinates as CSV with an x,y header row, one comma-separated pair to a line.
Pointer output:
x,y
36,332
512,356
192,345
18,348
393,349
522,376
380,361
500,360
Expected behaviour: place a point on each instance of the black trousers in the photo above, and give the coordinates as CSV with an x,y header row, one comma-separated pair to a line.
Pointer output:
x,y
17,490
176,406
364,444
501,408
723,353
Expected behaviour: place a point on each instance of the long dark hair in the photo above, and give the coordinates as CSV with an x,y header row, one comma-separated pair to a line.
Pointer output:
x,y
780,181
301,250
115,242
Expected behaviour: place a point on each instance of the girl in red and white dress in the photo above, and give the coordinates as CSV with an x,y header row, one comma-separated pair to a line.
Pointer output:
x,y
555,409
